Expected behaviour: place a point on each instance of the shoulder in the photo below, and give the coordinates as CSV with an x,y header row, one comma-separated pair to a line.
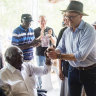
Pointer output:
x,y
62,30
37,29
89,28
27,65
49,28
30,29
17,30
3,71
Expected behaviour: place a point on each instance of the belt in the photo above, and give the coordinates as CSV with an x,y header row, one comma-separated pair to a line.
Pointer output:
x,y
86,68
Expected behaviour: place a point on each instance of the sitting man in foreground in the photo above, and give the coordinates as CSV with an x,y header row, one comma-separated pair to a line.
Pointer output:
x,y
21,75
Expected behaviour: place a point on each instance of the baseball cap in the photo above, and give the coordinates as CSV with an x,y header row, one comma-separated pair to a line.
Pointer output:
x,y
26,17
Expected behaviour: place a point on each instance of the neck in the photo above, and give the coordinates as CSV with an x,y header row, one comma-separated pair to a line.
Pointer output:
x,y
43,27
74,27
25,28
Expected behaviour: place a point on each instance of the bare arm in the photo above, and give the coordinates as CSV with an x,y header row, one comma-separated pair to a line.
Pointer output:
x,y
55,54
61,76
34,43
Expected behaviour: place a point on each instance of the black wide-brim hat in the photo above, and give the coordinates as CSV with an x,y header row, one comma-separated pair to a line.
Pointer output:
x,y
75,6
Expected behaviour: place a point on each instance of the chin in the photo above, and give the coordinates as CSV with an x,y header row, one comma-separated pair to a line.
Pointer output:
x,y
21,62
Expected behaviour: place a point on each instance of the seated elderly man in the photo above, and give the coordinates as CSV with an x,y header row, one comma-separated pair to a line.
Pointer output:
x,y
19,75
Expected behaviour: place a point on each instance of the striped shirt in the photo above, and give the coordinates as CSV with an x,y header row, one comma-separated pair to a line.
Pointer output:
x,y
81,43
21,37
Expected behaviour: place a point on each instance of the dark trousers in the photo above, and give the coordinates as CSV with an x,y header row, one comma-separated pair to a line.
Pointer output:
x,y
79,78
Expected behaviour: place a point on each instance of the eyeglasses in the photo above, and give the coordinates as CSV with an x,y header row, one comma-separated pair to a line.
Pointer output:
x,y
70,17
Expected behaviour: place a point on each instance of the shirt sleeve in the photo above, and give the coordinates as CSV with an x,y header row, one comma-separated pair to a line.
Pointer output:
x,y
15,40
41,70
86,45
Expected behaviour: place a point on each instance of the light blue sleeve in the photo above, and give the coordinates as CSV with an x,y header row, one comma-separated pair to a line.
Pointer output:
x,y
86,45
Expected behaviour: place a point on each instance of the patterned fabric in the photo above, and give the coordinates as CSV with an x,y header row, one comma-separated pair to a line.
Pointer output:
x,y
21,37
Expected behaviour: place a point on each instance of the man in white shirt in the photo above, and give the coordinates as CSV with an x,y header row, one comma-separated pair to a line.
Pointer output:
x,y
21,76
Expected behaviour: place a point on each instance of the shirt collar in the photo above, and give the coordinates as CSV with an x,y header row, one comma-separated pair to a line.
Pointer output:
x,y
81,25
23,28
11,68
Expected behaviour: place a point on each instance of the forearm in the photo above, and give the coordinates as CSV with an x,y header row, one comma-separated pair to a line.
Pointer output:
x,y
34,43
60,67
25,46
66,57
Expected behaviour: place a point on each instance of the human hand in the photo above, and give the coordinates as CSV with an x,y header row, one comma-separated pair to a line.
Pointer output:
x,y
51,53
49,35
61,76
7,89
36,43
42,32
48,60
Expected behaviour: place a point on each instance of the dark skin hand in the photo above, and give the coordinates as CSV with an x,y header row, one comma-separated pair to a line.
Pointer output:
x,y
34,43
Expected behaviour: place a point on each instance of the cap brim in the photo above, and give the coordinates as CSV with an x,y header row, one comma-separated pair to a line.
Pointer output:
x,y
84,14
28,20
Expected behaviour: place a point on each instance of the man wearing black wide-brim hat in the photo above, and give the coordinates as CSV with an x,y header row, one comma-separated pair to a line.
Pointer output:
x,y
78,46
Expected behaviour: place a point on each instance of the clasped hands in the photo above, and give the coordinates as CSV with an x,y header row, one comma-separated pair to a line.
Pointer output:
x,y
51,53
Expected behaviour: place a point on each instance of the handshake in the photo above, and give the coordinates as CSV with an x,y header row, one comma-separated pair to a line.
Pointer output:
x,y
48,60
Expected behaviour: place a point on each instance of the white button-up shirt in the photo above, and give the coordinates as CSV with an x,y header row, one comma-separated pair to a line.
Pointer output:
x,y
23,82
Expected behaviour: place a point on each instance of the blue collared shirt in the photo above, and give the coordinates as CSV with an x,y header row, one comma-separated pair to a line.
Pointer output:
x,y
81,43
21,37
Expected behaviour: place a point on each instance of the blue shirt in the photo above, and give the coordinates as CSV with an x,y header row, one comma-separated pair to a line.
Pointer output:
x,y
21,37
81,43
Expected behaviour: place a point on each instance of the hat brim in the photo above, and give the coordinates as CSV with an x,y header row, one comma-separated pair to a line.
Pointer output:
x,y
84,14
27,20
